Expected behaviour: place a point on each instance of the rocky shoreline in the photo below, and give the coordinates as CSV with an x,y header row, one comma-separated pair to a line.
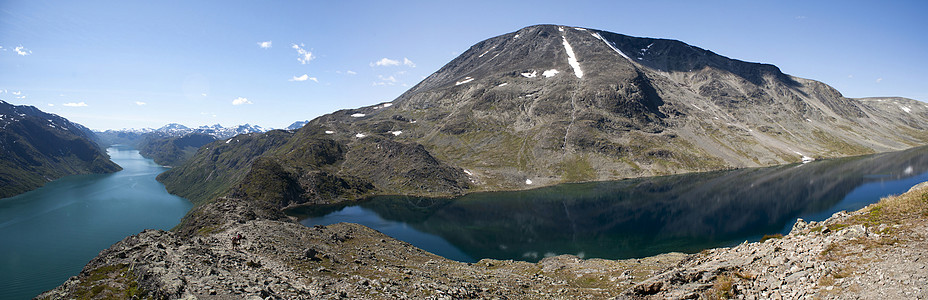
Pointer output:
x,y
876,252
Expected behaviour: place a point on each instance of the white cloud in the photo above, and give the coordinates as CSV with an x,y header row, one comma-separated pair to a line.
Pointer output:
x,y
264,45
408,63
240,101
140,103
204,94
78,104
385,62
878,80
385,80
304,77
17,93
305,56
22,51
51,104
350,72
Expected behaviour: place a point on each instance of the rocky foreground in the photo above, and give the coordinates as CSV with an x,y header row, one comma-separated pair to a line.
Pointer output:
x,y
877,252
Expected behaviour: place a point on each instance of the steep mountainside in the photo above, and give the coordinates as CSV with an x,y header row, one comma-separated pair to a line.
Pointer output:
x,y
172,150
550,104
37,147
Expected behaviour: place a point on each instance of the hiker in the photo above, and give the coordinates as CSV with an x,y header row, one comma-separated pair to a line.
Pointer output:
x,y
236,239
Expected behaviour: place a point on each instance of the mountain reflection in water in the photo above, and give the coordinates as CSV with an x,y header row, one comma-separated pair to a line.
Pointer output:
x,y
635,217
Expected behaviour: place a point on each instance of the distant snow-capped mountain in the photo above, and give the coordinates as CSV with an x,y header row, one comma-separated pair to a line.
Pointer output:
x,y
133,136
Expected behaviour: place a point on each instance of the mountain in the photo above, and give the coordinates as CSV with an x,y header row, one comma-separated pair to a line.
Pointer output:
x,y
549,104
132,137
172,150
297,125
38,147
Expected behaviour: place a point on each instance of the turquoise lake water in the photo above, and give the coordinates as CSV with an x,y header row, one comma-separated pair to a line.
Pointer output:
x,y
49,234
633,218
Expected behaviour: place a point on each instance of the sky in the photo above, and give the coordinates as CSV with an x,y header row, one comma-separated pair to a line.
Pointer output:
x,y
138,64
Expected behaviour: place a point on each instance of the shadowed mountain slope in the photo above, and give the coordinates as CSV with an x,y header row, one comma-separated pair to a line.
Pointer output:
x,y
38,147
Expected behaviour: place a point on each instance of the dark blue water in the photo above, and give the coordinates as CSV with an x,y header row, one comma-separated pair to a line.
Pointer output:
x,y
633,218
49,234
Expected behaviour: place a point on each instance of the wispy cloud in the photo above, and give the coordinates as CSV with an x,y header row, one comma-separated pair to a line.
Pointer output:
x,y
22,51
878,80
389,78
240,101
75,104
385,80
385,62
264,45
350,72
408,63
50,104
17,93
304,77
140,103
305,56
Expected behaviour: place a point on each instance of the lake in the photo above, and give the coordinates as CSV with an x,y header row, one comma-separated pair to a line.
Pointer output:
x,y
49,234
633,218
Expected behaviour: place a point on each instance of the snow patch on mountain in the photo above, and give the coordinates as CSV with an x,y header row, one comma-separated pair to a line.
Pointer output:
x,y
572,59
466,80
549,73
611,45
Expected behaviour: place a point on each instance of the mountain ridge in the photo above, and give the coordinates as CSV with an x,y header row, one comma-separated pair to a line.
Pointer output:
x,y
549,104
38,147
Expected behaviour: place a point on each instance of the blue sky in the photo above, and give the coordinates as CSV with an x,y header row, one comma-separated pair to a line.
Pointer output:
x,y
134,64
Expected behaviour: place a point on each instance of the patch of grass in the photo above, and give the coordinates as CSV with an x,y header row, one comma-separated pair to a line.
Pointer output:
x,y
836,227
577,169
839,145
771,236
111,282
721,288
207,230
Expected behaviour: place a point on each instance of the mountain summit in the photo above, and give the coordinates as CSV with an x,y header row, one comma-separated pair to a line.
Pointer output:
x,y
549,104
554,103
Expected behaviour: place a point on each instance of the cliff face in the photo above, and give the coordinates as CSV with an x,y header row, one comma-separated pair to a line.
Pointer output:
x,y
37,147
550,104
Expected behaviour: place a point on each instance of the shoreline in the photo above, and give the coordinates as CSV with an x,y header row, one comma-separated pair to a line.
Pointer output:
x,y
355,261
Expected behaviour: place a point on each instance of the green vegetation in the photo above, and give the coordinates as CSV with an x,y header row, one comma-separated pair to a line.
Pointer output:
x,y
36,148
838,145
771,236
721,288
111,282
172,151
576,169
